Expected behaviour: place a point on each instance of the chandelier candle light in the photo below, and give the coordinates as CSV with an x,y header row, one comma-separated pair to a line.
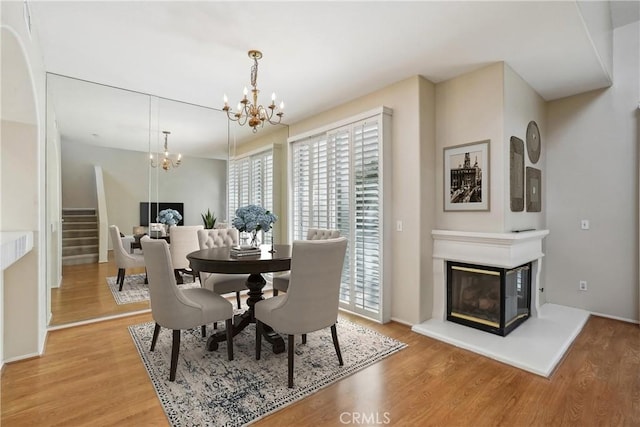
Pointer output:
x,y
167,161
253,112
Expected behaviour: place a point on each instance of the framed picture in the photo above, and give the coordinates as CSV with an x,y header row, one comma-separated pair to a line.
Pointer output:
x,y
466,177
534,187
516,174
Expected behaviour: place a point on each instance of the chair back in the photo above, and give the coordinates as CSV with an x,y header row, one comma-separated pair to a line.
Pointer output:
x,y
322,234
119,253
169,307
218,238
184,240
314,287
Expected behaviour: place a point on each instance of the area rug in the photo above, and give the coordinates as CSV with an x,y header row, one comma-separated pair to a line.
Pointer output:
x,y
135,290
209,390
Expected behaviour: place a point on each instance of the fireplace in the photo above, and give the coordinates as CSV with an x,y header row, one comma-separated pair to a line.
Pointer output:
x,y
491,299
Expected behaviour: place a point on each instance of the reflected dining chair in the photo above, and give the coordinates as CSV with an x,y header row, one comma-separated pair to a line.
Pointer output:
x,y
221,283
311,302
177,309
184,240
123,259
281,282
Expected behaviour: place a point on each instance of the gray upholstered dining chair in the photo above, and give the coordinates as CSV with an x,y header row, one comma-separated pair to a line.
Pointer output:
x,y
184,240
177,309
281,282
221,283
311,302
123,259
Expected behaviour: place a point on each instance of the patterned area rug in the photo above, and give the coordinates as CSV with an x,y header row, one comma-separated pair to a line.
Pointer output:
x,y
135,290
209,390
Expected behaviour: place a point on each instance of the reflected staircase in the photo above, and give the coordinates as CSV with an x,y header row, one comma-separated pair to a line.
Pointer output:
x,y
79,236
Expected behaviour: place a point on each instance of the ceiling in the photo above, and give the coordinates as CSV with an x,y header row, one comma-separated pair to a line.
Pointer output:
x,y
317,55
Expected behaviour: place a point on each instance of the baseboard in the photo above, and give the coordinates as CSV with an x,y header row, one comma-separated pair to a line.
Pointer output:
x,y
622,319
99,319
23,357
402,322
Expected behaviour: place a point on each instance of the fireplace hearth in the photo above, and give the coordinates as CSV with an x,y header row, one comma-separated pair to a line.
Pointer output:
x,y
491,299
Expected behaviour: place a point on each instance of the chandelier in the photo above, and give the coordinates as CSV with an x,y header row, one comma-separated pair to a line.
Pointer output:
x,y
252,112
167,162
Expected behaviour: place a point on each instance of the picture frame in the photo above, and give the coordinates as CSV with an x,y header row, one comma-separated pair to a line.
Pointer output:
x,y
466,177
516,174
534,189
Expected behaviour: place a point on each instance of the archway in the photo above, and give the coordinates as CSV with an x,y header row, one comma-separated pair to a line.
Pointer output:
x,y
19,199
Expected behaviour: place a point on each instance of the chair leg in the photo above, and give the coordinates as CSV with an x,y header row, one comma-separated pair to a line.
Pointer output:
x,y
290,359
121,278
178,276
204,331
175,349
146,277
156,331
258,338
275,292
304,338
229,326
334,336
238,300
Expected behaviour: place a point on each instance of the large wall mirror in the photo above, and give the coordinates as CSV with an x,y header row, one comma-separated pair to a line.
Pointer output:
x,y
90,125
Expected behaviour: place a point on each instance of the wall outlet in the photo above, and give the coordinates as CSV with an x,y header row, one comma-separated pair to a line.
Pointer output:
x,y
582,285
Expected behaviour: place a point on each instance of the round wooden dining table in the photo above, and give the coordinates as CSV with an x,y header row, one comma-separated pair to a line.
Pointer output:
x,y
220,260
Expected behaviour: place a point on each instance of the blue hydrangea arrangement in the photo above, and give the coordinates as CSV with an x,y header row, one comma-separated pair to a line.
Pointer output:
x,y
253,218
169,217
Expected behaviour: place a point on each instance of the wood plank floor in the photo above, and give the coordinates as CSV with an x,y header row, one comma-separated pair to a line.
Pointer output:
x,y
84,293
92,375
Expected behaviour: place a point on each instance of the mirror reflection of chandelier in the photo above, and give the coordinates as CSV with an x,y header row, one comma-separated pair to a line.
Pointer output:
x,y
167,162
252,112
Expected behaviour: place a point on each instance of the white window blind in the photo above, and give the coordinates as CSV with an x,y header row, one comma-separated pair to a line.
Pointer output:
x,y
336,183
251,182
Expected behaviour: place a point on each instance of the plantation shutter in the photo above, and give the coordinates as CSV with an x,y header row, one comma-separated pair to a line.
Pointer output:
x,y
336,183
251,182
367,218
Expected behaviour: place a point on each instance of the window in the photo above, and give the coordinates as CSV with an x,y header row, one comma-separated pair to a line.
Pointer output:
x,y
251,182
336,182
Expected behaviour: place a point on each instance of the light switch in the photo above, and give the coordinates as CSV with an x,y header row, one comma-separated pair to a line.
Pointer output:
x,y
398,225
584,224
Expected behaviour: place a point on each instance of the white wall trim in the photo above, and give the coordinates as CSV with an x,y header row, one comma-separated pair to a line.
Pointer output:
x,y
98,319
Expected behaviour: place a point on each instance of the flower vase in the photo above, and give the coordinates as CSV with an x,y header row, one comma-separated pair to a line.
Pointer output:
x,y
255,242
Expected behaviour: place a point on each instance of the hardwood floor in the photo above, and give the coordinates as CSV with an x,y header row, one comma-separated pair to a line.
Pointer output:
x,y
92,375
84,293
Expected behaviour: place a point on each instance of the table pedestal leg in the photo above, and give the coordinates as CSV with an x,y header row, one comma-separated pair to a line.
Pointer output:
x,y
255,283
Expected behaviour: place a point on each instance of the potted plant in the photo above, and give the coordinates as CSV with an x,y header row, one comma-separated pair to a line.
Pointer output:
x,y
209,220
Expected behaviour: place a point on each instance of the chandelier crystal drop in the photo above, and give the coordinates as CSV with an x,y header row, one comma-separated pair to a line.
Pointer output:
x,y
249,111
167,162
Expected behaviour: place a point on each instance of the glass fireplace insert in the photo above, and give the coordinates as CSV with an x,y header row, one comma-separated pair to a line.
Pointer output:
x,y
491,299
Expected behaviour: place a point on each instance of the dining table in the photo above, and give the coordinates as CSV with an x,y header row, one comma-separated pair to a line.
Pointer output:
x,y
271,259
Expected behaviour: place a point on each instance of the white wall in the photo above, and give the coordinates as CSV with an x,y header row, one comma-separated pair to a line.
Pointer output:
x,y
22,171
592,169
521,105
198,183
470,108
404,99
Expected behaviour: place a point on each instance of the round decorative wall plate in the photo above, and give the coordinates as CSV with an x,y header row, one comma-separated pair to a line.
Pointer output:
x,y
533,142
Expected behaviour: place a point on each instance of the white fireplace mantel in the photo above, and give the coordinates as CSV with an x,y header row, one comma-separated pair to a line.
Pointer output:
x,y
506,250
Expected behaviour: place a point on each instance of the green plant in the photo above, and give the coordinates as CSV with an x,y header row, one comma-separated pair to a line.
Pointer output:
x,y
208,219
